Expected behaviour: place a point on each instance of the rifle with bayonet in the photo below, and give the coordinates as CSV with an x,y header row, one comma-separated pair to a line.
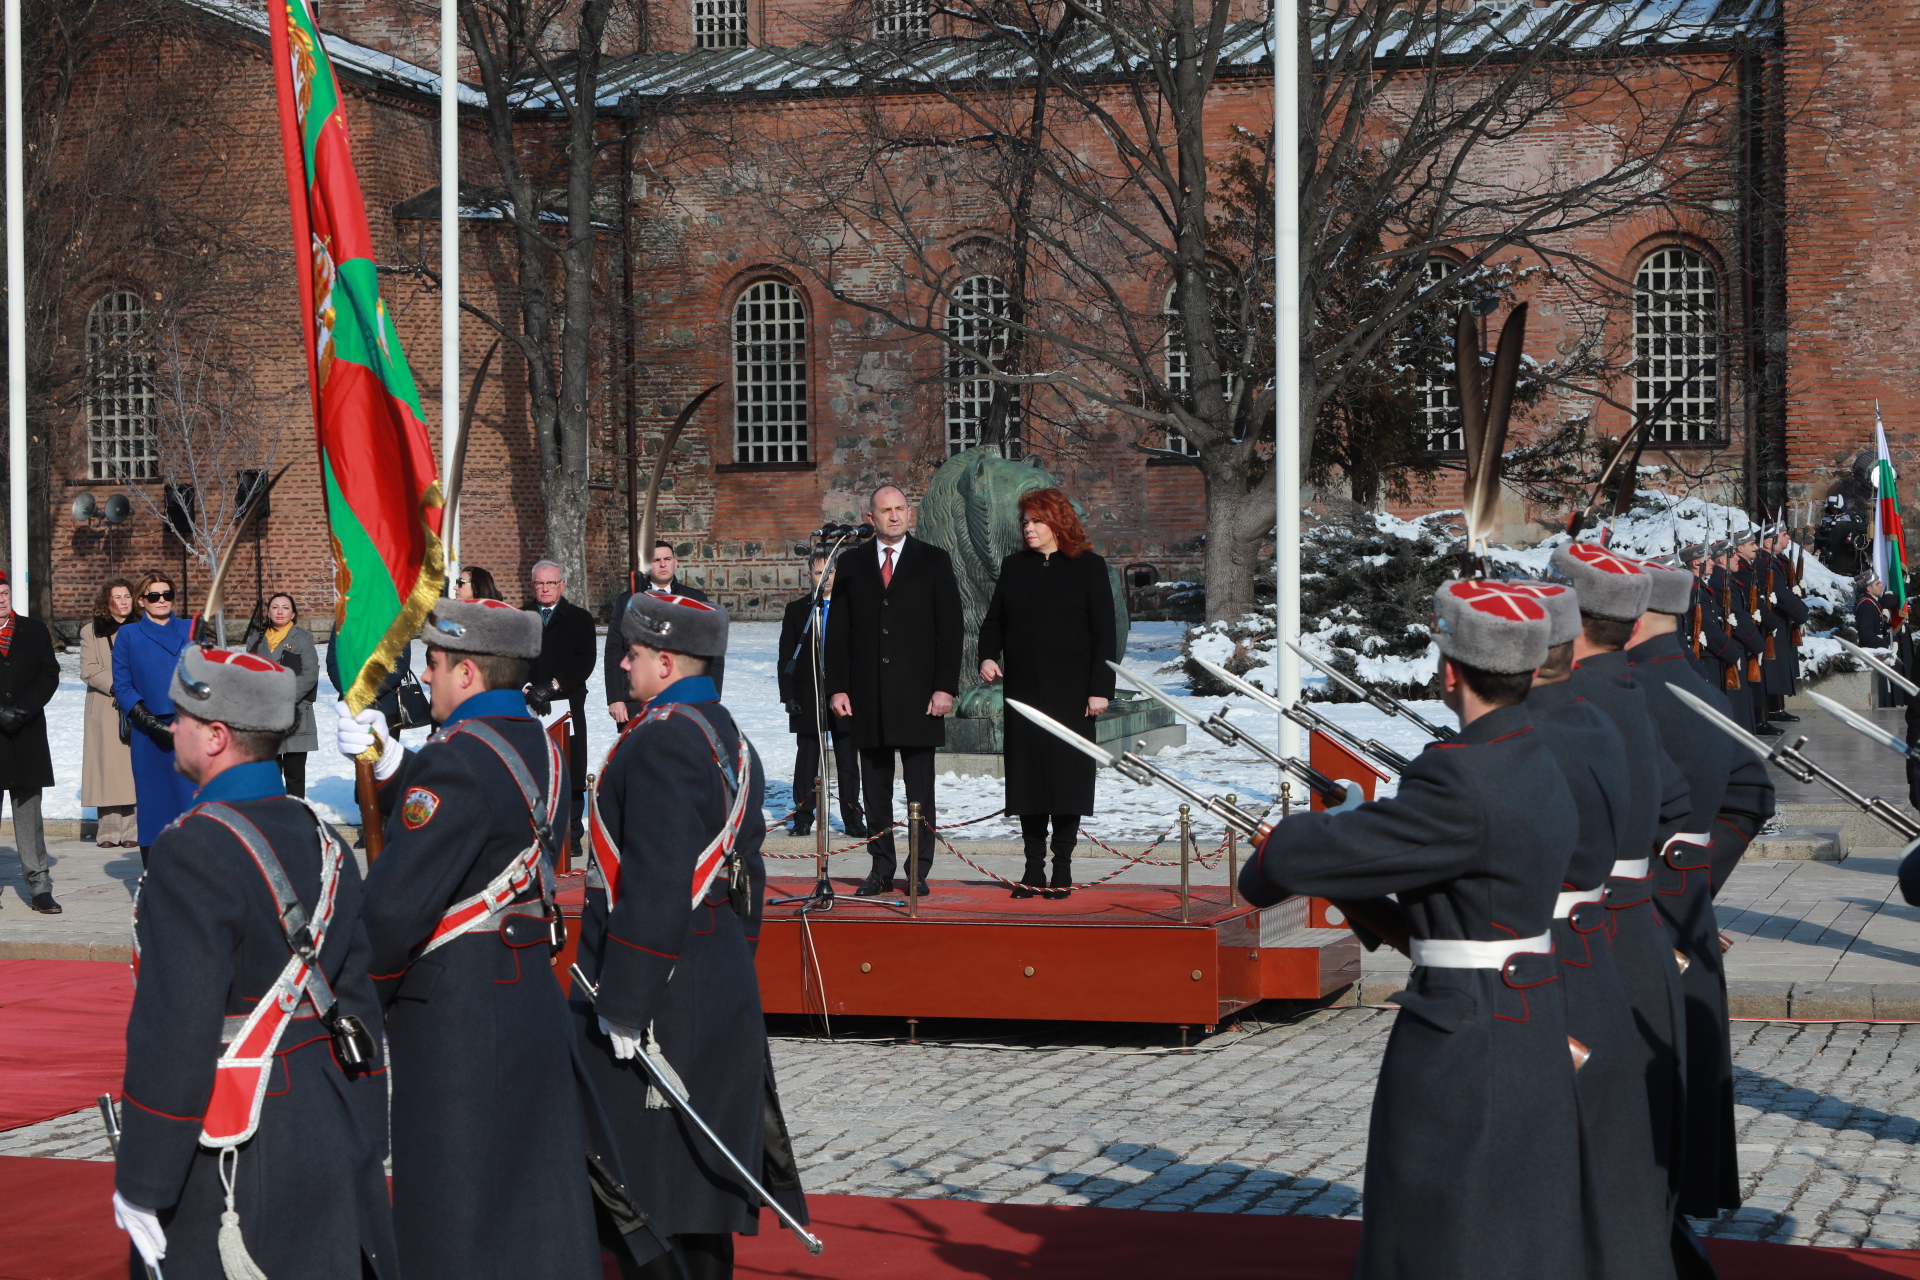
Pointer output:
x,y
1376,698
1307,718
1876,664
1802,769
1222,730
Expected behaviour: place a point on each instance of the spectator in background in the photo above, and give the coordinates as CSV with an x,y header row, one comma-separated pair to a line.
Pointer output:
x,y
285,641
29,675
1049,633
799,674
475,583
663,579
106,766
144,655
563,668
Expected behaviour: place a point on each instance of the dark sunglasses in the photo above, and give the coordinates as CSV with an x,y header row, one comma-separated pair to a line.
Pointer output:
x,y
154,597
463,582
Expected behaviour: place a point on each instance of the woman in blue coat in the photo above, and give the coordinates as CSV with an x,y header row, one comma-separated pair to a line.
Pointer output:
x,y
144,656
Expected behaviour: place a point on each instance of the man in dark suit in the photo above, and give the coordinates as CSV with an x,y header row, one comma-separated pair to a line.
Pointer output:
x,y
29,675
893,666
798,660
663,579
562,670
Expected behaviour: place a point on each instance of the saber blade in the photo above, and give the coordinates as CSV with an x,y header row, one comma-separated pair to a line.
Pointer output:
x,y
1721,722
1243,687
1880,665
1854,720
1147,687
1345,682
1066,735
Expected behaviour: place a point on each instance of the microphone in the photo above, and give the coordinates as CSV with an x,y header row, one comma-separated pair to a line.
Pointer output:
x,y
844,531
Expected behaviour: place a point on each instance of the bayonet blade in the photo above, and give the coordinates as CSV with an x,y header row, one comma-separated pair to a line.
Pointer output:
x,y
1063,733
1720,721
1240,686
1854,720
1880,665
1345,682
1146,686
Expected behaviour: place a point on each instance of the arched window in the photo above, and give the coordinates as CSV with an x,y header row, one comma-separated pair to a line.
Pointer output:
x,y
769,374
1676,347
719,24
976,339
120,395
1436,394
902,19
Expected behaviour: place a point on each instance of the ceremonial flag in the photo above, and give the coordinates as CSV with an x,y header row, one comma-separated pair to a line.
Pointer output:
x,y
1889,541
376,463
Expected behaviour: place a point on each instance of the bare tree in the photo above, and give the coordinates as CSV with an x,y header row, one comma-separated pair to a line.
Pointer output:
x,y
1082,138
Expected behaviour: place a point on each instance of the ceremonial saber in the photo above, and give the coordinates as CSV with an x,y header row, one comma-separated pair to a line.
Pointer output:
x,y
1800,768
679,1100
1138,770
1854,720
1376,698
112,1122
1880,665
1308,718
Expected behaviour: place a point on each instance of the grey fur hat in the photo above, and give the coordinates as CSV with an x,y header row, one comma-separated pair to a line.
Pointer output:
x,y
482,626
1562,604
676,623
1611,585
1671,590
239,690
1490,625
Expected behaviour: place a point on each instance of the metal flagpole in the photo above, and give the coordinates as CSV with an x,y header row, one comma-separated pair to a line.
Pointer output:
x,y
16,318
1286,347
449,263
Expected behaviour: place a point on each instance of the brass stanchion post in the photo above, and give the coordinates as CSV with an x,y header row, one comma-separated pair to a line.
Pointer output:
x,y
1233,858
1286,799
1186,853
913,860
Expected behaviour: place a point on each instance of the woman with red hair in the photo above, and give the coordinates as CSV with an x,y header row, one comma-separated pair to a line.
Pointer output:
x,y
1049,633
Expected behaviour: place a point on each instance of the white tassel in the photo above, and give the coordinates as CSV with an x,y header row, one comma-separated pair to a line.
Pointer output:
x,y
234,1258
656,1100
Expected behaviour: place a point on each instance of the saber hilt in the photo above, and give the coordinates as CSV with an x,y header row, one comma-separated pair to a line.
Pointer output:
x,y
1377,698
1314,722
1802,769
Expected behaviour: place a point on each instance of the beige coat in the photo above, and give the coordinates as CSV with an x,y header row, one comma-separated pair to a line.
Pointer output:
x,y
106,769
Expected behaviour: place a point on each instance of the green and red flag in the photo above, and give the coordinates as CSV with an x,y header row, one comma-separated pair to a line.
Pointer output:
x,y
376,460
1889,539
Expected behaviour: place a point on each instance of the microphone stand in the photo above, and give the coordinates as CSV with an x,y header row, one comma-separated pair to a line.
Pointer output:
x,y
822,800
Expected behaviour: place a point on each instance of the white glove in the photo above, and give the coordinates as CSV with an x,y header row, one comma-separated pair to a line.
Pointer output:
x,y
144,1226
626,1041
355,733
1354,799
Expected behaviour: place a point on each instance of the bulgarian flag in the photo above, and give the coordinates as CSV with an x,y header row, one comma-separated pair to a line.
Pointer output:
x,y
1889,540
376,462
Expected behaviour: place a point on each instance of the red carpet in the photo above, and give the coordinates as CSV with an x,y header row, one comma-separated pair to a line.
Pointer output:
x,y
63,1036
58,1225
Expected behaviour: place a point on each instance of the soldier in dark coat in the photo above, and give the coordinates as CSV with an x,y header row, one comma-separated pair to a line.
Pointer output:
x,y
801,673
1625,1211
1788,613
1473,1156
673,913
1736,618
893,668
1731,796
1050,625
209,940
501,1162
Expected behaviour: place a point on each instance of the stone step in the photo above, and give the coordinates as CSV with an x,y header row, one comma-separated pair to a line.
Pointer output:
x,y
1820,844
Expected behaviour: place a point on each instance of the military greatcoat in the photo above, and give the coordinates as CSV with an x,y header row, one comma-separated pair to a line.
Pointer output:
x,y
1473,1159
309,1189
684,969
494,1127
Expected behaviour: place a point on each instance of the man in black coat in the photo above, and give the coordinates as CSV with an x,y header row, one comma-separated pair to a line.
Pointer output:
x,y
674,898
211,947
1473,1155
893,666
502,1164
799,668
562,670
663,579
29,675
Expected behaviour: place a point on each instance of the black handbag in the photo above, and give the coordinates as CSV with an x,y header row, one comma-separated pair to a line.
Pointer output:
x,y
415,708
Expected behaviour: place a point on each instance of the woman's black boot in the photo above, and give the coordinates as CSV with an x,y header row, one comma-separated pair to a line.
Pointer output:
x,y
1063,842
1034,880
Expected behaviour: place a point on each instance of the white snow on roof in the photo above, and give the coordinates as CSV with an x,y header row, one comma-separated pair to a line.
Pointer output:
x,y
347,55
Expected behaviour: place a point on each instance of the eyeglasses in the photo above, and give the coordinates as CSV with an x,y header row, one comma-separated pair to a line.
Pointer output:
x,y
554,582
155,597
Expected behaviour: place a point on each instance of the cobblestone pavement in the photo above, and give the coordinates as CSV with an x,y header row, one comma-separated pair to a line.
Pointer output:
x,y
1271,1121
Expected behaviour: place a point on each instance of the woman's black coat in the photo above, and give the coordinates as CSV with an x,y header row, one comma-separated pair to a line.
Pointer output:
x,y
29,675
1050,626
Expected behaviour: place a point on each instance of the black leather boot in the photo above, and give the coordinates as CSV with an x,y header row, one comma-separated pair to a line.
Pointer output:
x,y
1034,880
1062,883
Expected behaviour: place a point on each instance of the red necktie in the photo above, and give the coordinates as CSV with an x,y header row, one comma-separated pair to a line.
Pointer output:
x,y
886,567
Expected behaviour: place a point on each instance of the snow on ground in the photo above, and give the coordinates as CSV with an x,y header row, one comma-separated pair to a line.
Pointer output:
x,y
1127,812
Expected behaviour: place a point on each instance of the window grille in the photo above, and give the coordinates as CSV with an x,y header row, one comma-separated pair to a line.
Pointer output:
x,y
1676,347
770,374
1436,396
120,395
1179,366
975,322
901,19
719,24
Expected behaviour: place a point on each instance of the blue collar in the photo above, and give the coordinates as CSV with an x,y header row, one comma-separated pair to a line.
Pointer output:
x,y
686,689
494,702
255,780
